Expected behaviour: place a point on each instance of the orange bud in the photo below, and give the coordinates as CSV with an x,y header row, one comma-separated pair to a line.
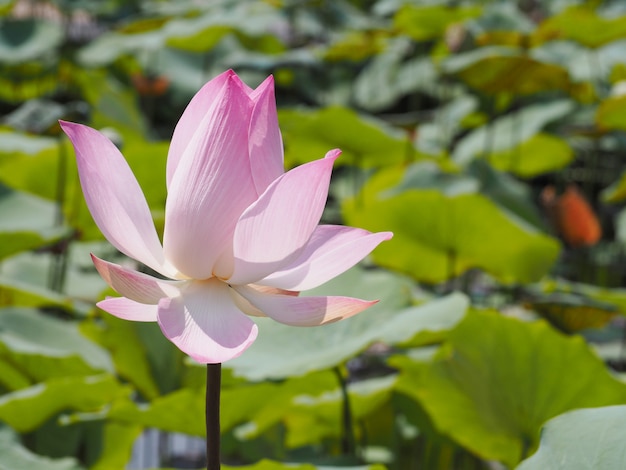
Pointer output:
x,y
573,217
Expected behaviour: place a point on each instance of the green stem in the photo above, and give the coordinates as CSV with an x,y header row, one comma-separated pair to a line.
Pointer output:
x,y
213,386
348,441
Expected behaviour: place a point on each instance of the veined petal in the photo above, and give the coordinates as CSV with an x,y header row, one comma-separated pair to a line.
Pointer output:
x,y
304,311
331,250
192,118
205,323
266,143
276,226
127,309
114,197
134,285
211,187
249,309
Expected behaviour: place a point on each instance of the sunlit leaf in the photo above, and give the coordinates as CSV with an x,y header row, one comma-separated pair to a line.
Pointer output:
x,y
310,418
542,153
29,408
11,377
610,114
430,22
438,236
583,25
499,379
367,143
581,440
356,46
271,465
183,410
117,446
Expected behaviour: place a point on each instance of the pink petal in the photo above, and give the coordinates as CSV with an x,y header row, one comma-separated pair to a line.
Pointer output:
x,y
134,285
271,231
249,309
266,143
192,118
304,311
205,323
331,250
212,185
114,197
126,309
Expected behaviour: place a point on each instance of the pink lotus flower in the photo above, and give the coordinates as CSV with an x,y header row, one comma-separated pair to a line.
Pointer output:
x,y
241,236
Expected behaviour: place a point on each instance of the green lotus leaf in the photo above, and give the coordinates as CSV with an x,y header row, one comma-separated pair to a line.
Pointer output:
x,y
438,236
22,294
497,380
112,45
367,143
616,192
610,114
23,40
310,419
113,105
129,356
271,465
581,440
17,457
283,351
517,75
436,137
571,313
611,298
26,277
42,347
357,45
117,446
392,74
28,408
20,143
542,153
426,23
26,222
203,32
507,192
507,132
183,410
583,25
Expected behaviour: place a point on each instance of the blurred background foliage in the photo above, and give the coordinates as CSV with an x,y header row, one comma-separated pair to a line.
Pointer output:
x,y
489,136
